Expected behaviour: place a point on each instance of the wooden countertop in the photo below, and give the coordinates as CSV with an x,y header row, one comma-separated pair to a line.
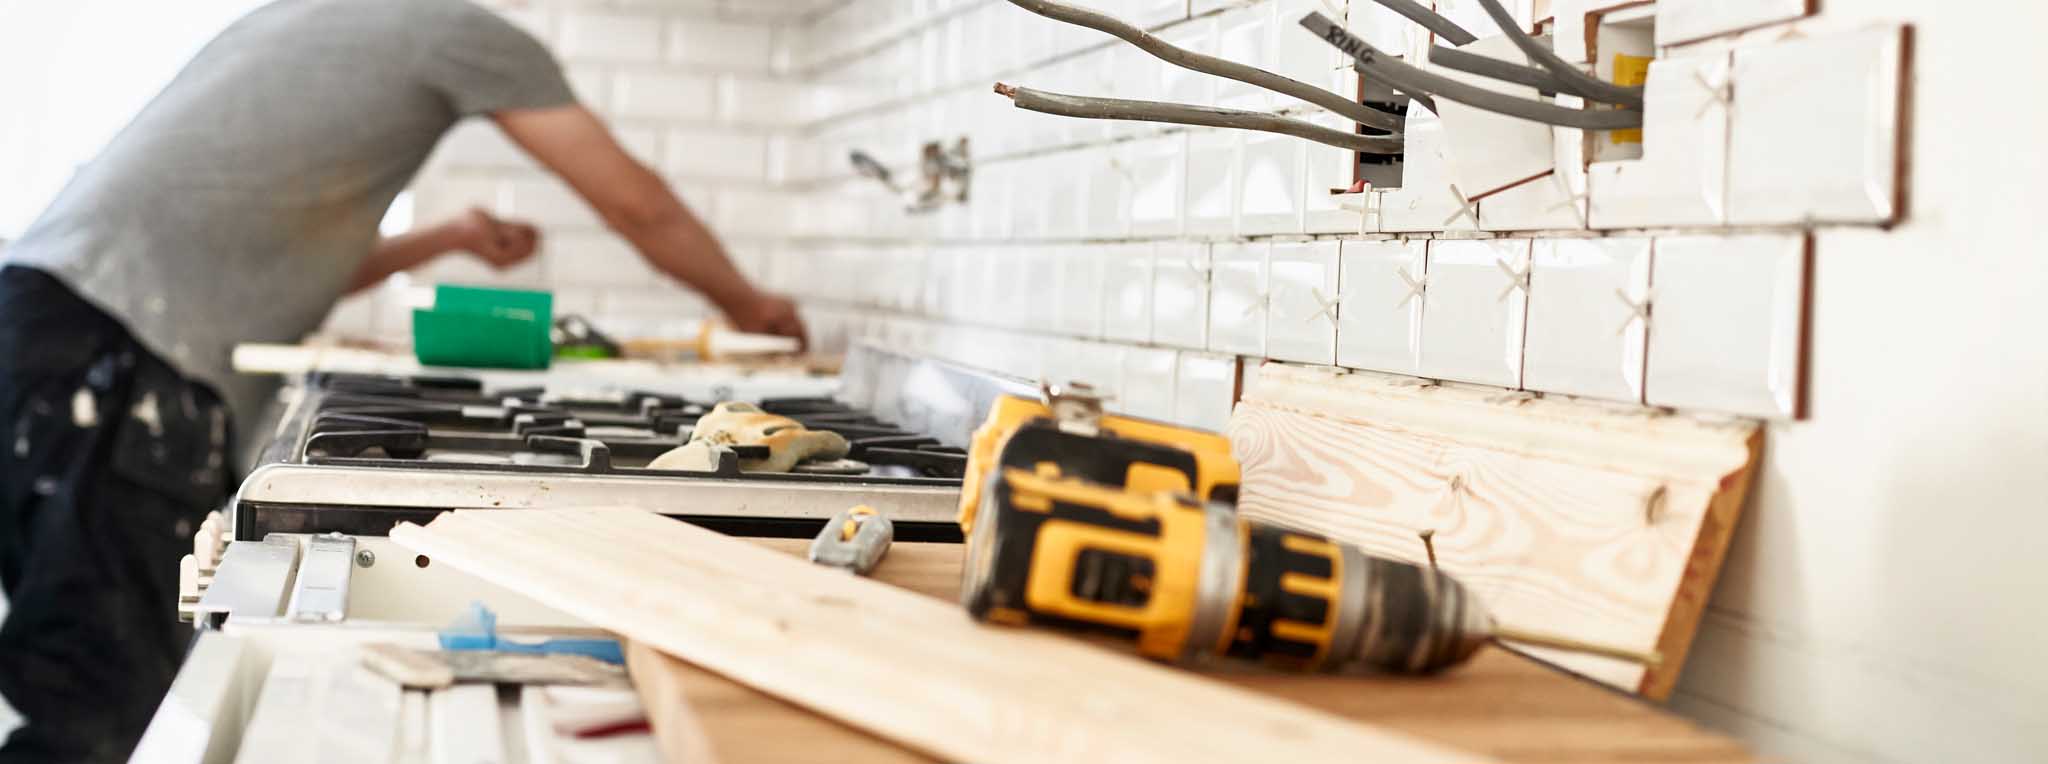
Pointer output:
x,y
1502,704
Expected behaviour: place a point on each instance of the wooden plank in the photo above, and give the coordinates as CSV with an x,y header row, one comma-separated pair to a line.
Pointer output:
x,y
1502,704
670,710
730,723
1595,522
834,643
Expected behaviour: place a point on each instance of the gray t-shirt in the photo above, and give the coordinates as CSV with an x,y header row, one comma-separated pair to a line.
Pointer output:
x,y
240,202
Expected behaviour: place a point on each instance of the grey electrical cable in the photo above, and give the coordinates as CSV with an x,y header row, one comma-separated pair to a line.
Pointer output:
x,y
1406,78
1085,107
1494,68
1206,64
1430,20
1582,83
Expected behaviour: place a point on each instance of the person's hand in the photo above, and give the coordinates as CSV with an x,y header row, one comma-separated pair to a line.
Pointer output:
x,y
502,243
768,314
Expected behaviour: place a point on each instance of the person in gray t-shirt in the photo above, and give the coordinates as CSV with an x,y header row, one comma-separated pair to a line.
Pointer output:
x,y
239,206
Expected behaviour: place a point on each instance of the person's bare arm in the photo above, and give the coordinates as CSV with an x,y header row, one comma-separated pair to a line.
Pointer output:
x,y
637,204
502,244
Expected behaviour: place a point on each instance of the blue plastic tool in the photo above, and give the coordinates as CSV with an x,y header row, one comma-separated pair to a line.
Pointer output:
x,y
478,630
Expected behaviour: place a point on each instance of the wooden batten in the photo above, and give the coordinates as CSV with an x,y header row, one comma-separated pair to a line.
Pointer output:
x,y
899,664
1594,522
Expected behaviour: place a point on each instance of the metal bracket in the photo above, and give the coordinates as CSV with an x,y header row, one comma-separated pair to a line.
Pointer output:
x,y
253,580
320,593
1076,407
853,540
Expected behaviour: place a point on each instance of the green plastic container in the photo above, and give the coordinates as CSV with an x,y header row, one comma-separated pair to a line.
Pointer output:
x,y
485,328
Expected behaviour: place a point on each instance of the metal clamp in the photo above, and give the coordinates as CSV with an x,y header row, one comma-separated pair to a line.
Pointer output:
x,y
1076,407
853,540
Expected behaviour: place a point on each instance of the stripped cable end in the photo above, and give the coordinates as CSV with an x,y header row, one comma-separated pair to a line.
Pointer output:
x,y
1006,89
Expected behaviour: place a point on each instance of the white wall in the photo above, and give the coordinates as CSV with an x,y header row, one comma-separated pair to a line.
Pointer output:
x,y
69,81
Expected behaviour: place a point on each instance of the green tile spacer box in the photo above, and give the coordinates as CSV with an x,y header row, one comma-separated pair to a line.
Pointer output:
x,y
485,328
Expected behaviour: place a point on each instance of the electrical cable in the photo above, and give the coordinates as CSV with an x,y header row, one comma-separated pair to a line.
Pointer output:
x,y
1494,68
1581,83
1206,64
1085,107
1430,20
1409,79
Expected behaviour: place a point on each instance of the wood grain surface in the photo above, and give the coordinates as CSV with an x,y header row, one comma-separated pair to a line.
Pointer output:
x,y
1595,523
902,665
1502,704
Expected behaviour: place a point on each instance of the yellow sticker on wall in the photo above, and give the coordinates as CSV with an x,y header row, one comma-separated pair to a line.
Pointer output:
x,y
1630,71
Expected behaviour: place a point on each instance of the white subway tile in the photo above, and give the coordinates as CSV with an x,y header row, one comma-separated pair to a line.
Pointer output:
x,y
1180,295
1302,314
1078,291
593,36
547,202
684,97
1127,274
596,260
1066,194
1727,331
1475,311
747,212
1108,193
1843,91
750,101
1686,20
720,45
1211,182
1149,376
1238,298
989,190
1030,180
1205,391
1158,175
717,155
1380,322
1270,184
1586,334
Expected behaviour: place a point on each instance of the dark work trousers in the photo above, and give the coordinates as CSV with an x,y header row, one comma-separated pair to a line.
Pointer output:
x,y
109,460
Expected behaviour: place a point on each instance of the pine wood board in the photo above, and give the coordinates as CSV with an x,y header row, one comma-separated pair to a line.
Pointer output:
x,y
725,722
1503,704
886,660
1599,523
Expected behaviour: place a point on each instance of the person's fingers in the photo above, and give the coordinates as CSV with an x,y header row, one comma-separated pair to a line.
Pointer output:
x,y
489,246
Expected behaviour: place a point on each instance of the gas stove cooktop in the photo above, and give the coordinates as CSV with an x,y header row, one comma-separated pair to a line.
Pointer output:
x,y
358,454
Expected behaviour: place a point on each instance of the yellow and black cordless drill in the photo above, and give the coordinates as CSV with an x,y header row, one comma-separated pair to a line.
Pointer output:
x,y
1124,526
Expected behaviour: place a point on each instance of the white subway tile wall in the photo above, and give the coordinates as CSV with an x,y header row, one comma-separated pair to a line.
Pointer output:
x,y
1148,258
